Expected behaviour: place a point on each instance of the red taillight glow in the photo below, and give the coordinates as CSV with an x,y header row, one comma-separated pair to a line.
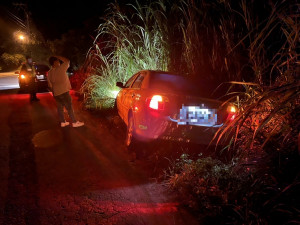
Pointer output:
x,y
232,111
157,103
232,117
22,76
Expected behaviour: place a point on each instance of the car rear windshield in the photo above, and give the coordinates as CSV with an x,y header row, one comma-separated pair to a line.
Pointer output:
x,y
42,67
174,84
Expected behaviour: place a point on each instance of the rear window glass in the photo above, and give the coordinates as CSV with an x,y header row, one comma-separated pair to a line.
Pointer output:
x,y
42,67
137,83
174,84
129,82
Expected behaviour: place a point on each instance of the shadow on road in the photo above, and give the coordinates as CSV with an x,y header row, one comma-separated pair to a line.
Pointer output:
x,y
21,205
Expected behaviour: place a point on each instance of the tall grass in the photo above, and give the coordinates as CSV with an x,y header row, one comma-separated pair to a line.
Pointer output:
x,y
267,127
268,108
127,41
210,31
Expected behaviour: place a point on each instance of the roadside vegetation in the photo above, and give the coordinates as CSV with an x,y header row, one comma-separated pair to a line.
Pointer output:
x,y
130,39
250,49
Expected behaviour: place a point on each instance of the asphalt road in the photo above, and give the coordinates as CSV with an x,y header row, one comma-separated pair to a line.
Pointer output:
x,y
53,175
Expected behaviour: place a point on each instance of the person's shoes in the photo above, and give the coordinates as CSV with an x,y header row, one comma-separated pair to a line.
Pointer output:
x,y
77,124
64,124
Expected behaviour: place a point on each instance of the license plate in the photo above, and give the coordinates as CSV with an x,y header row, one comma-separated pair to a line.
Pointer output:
x,y
197,115
40,77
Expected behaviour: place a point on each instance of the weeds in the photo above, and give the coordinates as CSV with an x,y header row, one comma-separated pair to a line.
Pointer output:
x,y
238,193
131,46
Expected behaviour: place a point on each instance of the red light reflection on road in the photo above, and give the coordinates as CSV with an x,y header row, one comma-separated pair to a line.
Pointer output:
x,y
145,208
108,207
109,211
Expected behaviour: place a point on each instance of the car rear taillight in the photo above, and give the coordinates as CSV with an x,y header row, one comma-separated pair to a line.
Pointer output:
x,y
232,112
22,76
156,102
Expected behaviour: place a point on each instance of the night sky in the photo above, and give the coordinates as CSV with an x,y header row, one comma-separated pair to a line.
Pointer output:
x,y
53,18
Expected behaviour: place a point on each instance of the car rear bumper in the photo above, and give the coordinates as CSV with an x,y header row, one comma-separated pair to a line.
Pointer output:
x,y
190,134
169,130
42,82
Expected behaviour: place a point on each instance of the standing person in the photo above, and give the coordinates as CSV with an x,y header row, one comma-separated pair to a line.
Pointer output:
x,y
59,83
28,68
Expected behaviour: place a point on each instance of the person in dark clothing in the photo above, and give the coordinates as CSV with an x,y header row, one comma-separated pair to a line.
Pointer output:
x,y
28,68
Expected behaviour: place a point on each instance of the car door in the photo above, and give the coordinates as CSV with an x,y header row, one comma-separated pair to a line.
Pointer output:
x,y
128,97
122,102
136,99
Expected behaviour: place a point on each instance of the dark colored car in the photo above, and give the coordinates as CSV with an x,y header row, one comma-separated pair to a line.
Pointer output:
x,y
41,72
160,105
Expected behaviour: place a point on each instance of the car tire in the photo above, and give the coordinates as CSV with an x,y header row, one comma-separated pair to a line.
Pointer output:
x,y
130,140
133,145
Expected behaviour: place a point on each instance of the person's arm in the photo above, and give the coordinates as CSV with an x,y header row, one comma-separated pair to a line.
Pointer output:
x,y
66,62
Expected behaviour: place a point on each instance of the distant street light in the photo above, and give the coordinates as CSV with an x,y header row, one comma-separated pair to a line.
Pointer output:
x,y
21,37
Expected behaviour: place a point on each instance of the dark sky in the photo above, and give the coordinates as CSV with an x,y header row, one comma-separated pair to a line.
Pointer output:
x,y
55,17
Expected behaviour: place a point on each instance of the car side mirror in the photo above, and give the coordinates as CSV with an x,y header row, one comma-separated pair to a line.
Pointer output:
x,y
120,85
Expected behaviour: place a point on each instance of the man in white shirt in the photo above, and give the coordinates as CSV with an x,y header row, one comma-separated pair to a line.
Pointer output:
x,y
59,83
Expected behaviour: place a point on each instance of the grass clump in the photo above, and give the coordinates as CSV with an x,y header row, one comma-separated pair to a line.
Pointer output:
x,y
128,41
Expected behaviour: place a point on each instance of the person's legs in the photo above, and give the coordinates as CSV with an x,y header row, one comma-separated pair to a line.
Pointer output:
x,y
65,100
60,107
69,107
33,89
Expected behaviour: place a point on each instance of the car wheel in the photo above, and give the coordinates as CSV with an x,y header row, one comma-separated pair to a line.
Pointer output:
x,y
133,145
129,141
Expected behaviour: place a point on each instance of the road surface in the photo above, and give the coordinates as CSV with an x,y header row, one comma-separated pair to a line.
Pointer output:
x,y
53,175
